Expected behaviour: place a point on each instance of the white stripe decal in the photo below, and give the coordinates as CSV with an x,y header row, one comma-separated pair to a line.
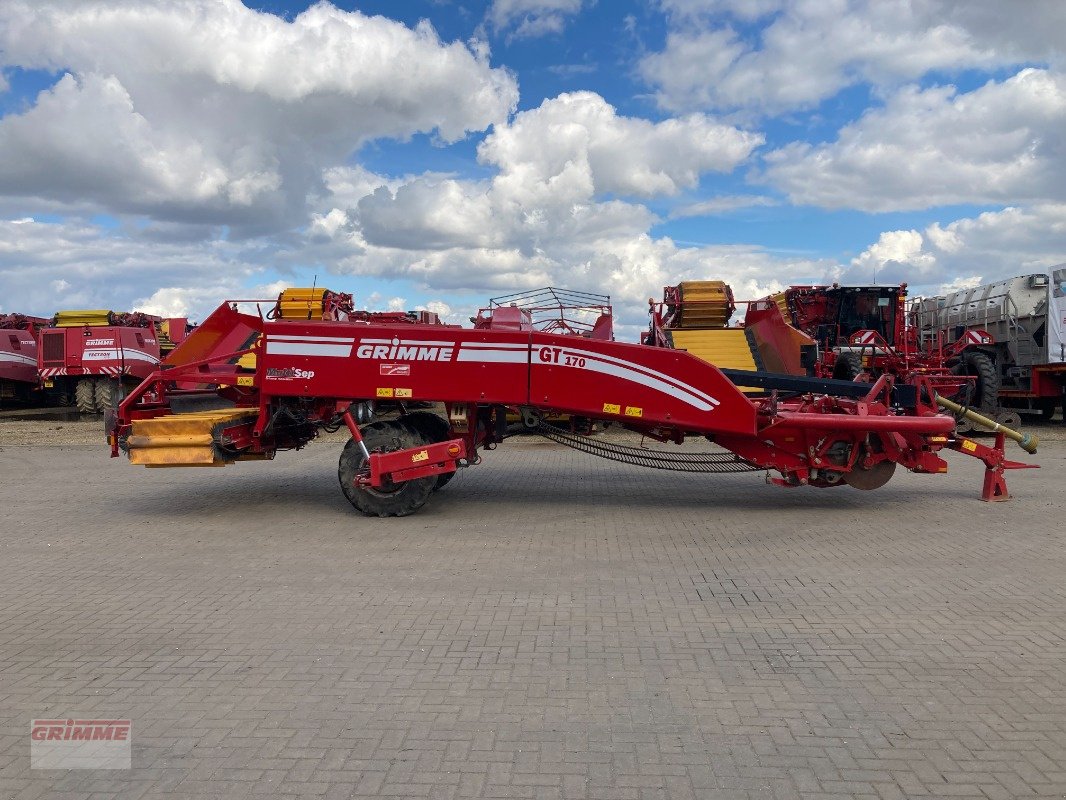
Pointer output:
x,y
647,374
494,346
494,356
625,373
317,339
18,358
309,349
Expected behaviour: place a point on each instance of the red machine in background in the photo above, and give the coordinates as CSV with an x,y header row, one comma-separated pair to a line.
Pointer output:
x,y
89,358
18,357
867,329
319,372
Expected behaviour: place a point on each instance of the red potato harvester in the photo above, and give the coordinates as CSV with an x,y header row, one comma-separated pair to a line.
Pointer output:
x,y
272,382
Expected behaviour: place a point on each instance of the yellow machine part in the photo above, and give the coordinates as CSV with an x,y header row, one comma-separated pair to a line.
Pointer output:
x,y
182,440
78,319
705,304
247,361
298,303
726,348
781,299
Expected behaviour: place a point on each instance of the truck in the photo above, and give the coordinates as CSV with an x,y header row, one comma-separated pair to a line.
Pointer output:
x,y
89,358
1023,365
19,379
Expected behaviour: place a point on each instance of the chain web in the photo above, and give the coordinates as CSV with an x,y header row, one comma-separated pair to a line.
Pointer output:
x,y
644,457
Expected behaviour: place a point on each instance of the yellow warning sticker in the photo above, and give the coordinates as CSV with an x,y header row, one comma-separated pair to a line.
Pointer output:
x,y
245,380
634,411
404,392
384,391
612,408
422,455
938,438
968,445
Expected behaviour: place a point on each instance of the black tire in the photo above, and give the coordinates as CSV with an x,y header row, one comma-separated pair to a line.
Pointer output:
x,y
108,394
398,501
1046,406
984,394
432,428
848,366
85,396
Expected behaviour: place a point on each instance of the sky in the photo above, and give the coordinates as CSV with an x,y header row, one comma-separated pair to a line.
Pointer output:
x,y
165,155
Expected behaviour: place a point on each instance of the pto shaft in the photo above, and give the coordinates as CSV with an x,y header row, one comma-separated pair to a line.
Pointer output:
x,y
1026,441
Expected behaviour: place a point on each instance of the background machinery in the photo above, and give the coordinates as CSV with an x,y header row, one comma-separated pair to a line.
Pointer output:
x,y
88,358
1023,364
318,371
18,357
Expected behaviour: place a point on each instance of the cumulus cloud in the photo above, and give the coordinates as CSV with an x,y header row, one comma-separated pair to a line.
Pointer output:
x,y
1001,143
560,171
808,50
207,110
559,209
531,18
49,266
988,247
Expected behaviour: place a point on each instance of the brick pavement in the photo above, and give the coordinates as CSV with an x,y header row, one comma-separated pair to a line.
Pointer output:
x,y
550,626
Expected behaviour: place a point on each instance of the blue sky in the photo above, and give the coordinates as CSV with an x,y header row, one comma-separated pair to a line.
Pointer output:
x,y
165,155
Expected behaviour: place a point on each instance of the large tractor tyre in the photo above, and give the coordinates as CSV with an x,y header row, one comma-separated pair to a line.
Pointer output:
x,y
433,429
985,390
848,366
397,500
108,395
85,396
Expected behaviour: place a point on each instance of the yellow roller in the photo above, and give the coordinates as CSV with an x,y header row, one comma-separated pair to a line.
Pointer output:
x,y
301,304
96,317
182,440
781,300
705,304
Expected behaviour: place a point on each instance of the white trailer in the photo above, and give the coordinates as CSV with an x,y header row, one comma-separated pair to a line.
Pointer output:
x,y
1026,315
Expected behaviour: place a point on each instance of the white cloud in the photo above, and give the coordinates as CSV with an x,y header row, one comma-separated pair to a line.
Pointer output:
x,y
1000,143
722,204
197,301
808,50
554,166
991,246
620,155
45,266
205,110
558,210
531,18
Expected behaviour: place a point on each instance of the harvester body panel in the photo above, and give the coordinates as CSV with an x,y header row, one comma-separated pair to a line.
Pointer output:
x,y
105,350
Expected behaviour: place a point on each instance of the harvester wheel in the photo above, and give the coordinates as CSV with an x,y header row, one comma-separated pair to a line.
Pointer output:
x,y
984,393
848,366
432,428
108,394
398,500
1046,406
85,396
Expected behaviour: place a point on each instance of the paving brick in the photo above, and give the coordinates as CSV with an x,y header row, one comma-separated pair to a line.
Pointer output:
x,y
549,626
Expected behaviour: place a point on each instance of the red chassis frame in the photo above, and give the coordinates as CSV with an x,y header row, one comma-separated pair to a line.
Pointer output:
x,y
315,370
